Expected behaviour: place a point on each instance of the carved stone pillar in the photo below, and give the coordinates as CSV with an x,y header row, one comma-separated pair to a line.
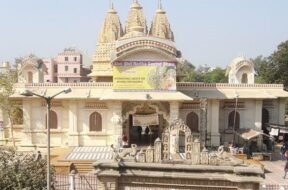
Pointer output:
x,y
196,152
116,121
141,156
205,157
215,135
258,114
203,122
149,155
73,137
158,150
27,138
174,111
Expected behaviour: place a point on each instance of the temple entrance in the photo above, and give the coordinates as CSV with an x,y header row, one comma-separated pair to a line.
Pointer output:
x,y
144,133
145,124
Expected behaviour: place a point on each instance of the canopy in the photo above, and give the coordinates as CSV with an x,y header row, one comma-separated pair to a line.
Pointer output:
x,y
248,134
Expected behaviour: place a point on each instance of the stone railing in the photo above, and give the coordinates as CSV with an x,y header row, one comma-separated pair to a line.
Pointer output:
x,y
80,85
180,85
196,85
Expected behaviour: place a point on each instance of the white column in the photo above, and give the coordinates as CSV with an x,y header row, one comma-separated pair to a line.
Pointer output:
x,y
73,135
174,111
27,138
281,111
258,114
116,121
258,120
215,136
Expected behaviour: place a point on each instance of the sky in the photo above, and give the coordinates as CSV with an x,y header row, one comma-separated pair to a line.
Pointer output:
x,y
207,32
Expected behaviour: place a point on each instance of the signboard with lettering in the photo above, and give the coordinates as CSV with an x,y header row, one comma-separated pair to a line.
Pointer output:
x,y
144,75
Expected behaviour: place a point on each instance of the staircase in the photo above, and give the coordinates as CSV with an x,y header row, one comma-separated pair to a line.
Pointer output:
x,y
83,166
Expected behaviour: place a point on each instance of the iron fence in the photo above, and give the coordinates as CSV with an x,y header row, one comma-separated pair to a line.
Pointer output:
x,y
89,182
79,182
273,187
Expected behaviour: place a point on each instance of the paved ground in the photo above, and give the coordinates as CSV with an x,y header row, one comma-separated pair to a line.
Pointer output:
x,y
274,171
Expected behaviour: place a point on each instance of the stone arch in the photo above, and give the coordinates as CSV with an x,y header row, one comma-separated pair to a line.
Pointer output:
x,y
95,122
192,120
177,126
234,116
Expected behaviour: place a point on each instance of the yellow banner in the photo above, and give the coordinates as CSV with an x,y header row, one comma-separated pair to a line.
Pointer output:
x,y
144,76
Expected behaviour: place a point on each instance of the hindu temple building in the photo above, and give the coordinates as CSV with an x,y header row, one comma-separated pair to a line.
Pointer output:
x,y
136,89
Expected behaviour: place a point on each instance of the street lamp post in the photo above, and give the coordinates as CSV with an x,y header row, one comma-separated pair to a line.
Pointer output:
x,y
235,112
48,100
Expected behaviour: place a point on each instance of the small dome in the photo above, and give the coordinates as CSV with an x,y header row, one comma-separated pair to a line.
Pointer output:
x,y
241,70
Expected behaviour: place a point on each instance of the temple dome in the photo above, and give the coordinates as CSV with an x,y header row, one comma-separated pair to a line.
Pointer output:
x,y
160,26
241,70
111,29
136,21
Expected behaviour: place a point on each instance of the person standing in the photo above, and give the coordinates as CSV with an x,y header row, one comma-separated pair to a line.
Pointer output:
x,y
286,167
283,150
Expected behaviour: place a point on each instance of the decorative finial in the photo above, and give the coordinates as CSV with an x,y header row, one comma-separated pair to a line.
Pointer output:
x,y
159,4
111,4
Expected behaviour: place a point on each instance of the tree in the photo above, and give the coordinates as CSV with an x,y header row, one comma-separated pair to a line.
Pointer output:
x,y
260,64
276,68
216,76
7,105
25,171
190,74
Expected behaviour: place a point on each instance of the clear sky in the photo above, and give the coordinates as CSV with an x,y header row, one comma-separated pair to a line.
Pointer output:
x,y
206,31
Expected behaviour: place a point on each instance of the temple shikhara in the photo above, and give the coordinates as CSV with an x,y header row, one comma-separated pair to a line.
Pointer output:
x,y
136,90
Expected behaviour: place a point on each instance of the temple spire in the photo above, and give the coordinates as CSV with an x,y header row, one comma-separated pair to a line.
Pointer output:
x,y
160,25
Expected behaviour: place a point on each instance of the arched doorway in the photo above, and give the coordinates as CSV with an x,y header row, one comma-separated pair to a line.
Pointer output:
x,y
95,122
265,120
53,120
234,116
30,77
144,123
244,78
192,122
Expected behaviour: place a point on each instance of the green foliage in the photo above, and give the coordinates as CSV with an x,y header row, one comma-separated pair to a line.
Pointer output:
x,y
216,76
7,81
203,74
22,171
274,69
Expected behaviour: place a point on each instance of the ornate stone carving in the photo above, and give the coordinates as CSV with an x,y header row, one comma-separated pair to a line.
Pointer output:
x,y
160,26
157,150
111,29
149,155
203,121
141,157
196,152
136,21
204,157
